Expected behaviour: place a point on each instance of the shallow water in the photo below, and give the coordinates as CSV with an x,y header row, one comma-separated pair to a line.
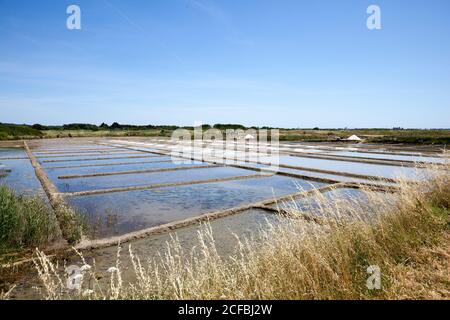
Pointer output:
x,y
311,202
389,157
350,151
100,162
22,178
120,213
12,153
343,198
54,173
351,167
144,179
244,225
81,156
383,171
338,178
247,224
333,165
136,210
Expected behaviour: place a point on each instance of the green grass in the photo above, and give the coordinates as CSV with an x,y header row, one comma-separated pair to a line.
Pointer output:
x,y
13,132
71,223
24,222
407,136
413,140
441,137
105,133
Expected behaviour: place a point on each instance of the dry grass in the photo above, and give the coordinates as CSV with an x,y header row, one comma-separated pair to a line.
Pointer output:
x,y
406,236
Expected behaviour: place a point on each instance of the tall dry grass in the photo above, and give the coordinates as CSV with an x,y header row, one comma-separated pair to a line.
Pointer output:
x,y
296,257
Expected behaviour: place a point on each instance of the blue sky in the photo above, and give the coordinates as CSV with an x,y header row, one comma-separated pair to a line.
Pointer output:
x,y
287,63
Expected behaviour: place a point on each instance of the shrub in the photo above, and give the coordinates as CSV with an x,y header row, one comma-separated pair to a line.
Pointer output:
x,y
24,222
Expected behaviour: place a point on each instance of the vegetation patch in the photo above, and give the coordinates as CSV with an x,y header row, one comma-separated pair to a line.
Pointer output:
x,y
24,222
13,131
395,135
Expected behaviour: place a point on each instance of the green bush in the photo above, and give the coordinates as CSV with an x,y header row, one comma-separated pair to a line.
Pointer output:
x,y
24,222
13,131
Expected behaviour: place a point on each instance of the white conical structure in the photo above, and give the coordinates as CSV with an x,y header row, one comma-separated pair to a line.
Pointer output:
x,y
354,138
249,137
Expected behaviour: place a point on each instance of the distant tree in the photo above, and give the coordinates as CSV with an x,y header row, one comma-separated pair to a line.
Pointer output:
x,y
104,126
316,128
80,126
221,126
116,125
38,126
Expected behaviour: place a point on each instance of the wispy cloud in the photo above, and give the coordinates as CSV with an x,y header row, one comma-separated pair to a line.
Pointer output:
x,y
220,16
143,31
125,17
213,11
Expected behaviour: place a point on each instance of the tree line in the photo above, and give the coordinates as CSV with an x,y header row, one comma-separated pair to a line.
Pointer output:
x,y
118,126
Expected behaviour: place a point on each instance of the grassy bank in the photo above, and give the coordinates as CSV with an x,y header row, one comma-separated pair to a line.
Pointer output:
x,y
405,236
15,132
24,222
27,223
51,134
405,136
439,137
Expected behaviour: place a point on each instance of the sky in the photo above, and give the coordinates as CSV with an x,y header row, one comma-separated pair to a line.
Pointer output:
x,y
282,63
